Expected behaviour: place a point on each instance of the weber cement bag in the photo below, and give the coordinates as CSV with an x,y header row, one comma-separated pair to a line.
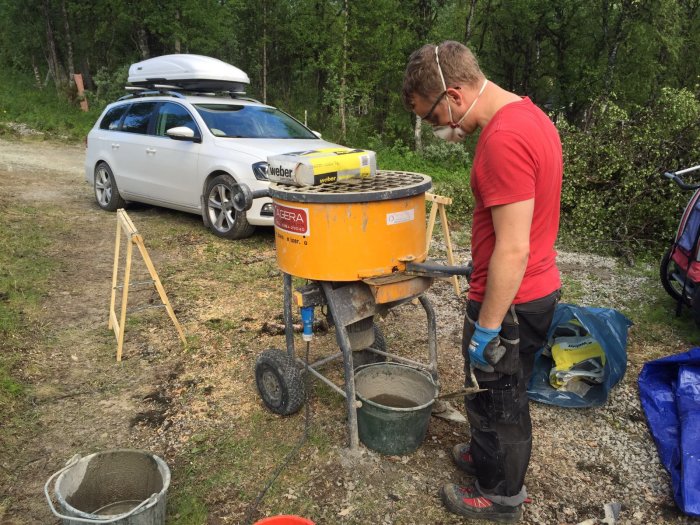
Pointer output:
x,y
322,166
585,357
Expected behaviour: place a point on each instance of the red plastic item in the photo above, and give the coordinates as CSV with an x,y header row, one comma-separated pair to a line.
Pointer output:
x,y
284,520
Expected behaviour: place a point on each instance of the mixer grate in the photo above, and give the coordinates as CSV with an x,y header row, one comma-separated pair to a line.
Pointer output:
x,y
384,185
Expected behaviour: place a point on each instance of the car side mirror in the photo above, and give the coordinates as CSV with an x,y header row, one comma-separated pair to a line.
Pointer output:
x,y
182,133
318,134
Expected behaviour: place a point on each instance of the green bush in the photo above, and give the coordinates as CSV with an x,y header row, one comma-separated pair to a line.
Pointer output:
x,y
614,198
450,173
450,153
109,86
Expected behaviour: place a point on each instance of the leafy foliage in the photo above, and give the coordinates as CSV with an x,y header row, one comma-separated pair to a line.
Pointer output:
x,y
613,192
109,85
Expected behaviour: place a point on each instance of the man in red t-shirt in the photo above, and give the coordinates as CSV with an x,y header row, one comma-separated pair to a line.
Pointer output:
x,y
516,180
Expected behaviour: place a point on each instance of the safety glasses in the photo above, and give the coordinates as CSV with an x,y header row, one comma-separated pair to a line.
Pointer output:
x,y
429,115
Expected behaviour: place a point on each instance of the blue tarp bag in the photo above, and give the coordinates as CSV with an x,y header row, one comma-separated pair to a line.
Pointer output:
x,y
609,328
669,389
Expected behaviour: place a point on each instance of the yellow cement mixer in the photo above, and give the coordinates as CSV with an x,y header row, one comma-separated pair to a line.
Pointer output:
x,y
361,244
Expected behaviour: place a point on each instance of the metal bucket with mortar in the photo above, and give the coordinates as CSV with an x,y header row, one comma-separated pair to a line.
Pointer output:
x,y
396,405
125,487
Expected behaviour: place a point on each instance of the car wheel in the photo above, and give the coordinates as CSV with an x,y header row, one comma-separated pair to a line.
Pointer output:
x,y
221,217
669,271
279,382
106,191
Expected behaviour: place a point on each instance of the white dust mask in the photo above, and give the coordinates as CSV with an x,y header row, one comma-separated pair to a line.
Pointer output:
x,y
453,132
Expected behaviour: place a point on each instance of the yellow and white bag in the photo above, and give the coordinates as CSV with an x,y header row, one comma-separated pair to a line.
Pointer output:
x,y
313,167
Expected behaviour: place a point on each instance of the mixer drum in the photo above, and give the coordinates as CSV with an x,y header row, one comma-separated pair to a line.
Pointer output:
x,y
353,229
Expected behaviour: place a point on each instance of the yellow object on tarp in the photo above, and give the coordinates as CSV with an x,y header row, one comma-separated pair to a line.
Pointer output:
x,y
576,358
313,167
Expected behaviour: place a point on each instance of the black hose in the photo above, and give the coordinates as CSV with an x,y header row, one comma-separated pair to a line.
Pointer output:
x,y
288,458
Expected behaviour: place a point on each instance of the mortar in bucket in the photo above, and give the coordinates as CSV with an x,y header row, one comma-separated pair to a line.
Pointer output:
x,y
396,405
125,487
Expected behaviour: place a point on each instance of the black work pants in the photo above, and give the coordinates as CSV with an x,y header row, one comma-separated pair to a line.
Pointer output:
x,y
501,430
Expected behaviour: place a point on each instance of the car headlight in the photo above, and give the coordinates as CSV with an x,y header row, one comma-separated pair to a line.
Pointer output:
x,y
260,170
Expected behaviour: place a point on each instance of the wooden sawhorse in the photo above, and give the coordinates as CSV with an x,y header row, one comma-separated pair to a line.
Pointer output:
x,y
133,238
438,205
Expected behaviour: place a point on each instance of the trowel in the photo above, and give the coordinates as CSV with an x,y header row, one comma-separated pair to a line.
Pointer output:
x,y
467,390
445,410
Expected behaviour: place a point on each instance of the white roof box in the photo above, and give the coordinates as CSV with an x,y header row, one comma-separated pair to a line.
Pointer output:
x,y
188,72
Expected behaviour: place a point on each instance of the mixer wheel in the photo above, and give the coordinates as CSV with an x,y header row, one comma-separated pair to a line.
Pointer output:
x,y
279,382
367,357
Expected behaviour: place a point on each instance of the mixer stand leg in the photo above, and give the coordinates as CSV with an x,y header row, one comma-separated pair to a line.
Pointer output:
x,y
341,335
432,336
288,322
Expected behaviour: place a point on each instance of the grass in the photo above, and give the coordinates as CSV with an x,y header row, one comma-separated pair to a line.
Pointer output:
x,y
45,110
572,289
220,467
655,313
10,388
24,271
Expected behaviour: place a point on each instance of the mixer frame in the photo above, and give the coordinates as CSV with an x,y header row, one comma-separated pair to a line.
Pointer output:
x,y
347,304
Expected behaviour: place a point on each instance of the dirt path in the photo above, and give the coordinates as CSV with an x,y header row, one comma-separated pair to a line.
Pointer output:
x,y
82,401
199,409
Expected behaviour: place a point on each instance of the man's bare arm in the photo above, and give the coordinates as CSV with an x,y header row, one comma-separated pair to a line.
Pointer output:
x,y
511,224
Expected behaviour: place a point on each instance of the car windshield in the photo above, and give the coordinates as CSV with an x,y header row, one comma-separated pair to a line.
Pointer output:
x,y
251,122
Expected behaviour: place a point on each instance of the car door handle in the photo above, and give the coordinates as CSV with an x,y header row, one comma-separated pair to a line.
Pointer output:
x,y
115,146
150,151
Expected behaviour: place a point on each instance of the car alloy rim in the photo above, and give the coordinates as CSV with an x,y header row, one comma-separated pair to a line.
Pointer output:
x,y
221,212
103,187
272,388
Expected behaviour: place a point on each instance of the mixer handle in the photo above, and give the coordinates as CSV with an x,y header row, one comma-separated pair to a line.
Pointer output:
x,y
438,270
243,200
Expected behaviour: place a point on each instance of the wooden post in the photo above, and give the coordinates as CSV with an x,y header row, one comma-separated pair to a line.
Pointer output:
x,y
438,205
81,91
133,238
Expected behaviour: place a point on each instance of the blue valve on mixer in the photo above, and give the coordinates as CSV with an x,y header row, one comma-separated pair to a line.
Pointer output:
x,y
307,317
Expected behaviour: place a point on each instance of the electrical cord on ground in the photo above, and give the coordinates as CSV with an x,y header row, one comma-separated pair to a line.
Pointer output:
x,y
248,520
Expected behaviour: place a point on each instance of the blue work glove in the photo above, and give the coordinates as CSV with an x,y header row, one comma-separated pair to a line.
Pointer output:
x,y
484,348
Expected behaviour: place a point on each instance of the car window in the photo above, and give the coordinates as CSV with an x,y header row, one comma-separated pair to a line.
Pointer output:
x,y
137,117
171,115
112,117
256,122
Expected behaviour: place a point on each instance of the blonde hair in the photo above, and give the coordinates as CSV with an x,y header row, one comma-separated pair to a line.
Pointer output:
x,y
458,64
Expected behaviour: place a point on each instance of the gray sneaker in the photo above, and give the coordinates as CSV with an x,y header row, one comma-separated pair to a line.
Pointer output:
x,y
468,502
